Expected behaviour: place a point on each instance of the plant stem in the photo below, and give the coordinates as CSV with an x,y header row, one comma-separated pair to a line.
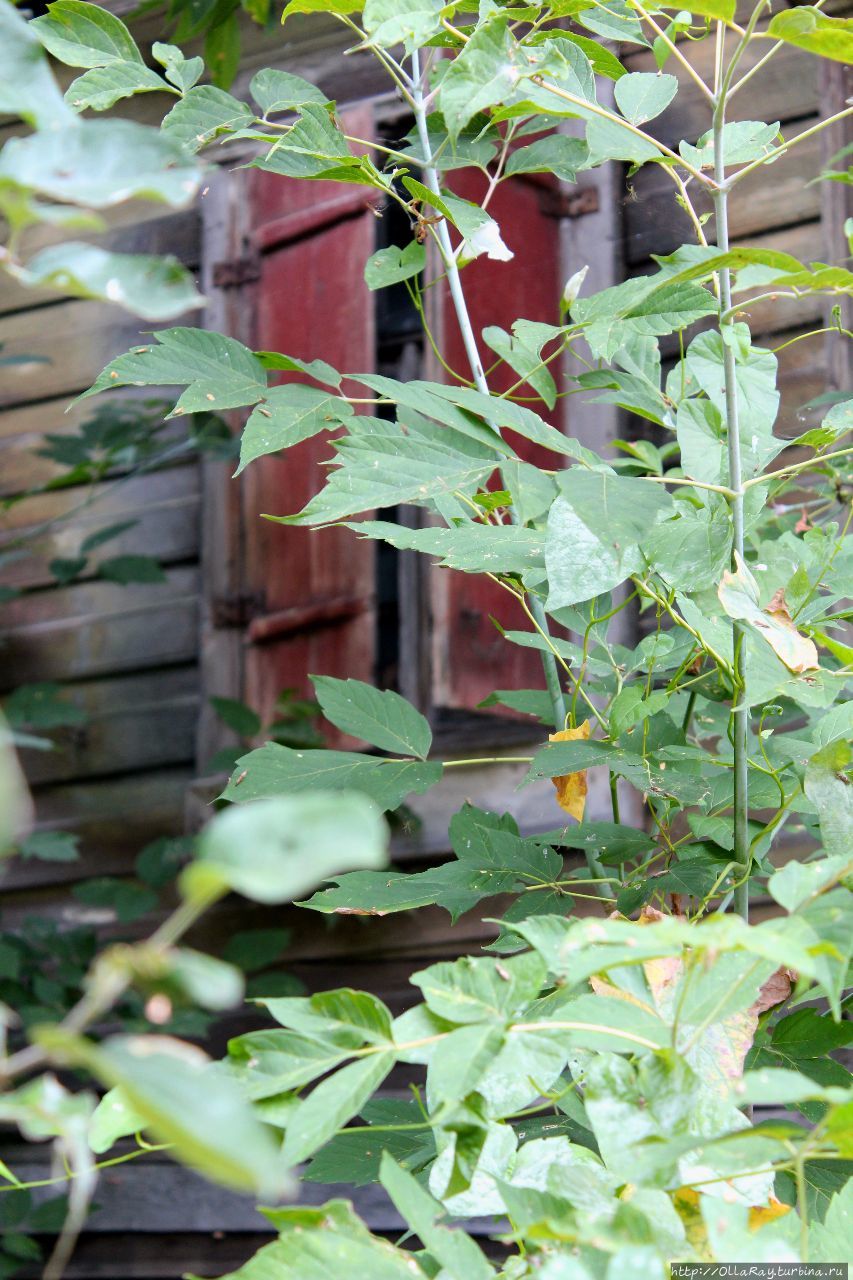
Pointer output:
x,y
740,710
552,678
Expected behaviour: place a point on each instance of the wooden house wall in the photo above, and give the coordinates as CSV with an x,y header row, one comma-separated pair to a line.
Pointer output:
x,y
134,655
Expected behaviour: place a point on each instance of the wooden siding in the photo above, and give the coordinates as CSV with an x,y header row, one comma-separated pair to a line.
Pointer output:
x,y
129,653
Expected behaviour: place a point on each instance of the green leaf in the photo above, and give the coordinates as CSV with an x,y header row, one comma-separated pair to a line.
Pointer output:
x,y
644,306
722,10
809,29
51,846
614,20
102,87
332,1103
355,1156
381,465
827,786
275,91
381,717
84,35
126,569
254,949
608,1024
206,981
128,900
41,706
798,882
315,1244
180,71
277,849
473,548
523,352
113,1118
594,530
101,163
156,288
642,95
274,770
313,148
242,719
481,75
500,413
411,23
492,858
757,395
633,705
322,6
828,1240
203,114
743,140
351,1018
458,1255
162,1080
218,372
288,415
222,47
391,265
693,550
27,87
558,154
480,989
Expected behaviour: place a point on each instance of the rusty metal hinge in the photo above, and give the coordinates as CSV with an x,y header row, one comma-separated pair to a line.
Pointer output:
x,y
236,608
231,273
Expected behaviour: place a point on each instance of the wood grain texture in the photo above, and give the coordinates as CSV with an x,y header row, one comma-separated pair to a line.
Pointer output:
x,y
140,721
164,505
98,627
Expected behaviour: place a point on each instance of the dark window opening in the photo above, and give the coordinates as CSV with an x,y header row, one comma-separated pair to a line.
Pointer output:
x,y
399,354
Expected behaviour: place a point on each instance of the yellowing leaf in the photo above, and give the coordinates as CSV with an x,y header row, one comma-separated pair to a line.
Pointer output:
x,y
796,651
571,787
738,594
760,1215
686,1203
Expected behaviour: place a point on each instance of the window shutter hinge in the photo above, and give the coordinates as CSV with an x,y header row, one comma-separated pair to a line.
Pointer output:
x,y
231,273
236,608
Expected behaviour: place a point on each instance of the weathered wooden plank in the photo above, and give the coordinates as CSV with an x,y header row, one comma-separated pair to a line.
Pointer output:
x,y
97,628
785,89
164,504
76,338
837,208
655,223
141,721
114,817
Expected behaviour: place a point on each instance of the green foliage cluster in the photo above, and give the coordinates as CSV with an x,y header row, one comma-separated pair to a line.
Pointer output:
x,y
586,1081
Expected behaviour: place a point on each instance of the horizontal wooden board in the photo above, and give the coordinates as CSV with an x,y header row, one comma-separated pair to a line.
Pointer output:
x,y
141,721
76,338
164,504
114,818
99,627
779,197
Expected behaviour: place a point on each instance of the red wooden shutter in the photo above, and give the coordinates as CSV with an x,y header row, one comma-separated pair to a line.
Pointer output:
x,y
470,657
312,591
